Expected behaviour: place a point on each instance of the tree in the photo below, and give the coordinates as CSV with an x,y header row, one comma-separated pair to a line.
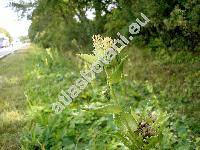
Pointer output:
x,y
64,24
6,33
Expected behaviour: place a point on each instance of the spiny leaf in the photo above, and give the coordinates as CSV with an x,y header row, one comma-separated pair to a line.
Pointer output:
x,y
116,76
88,58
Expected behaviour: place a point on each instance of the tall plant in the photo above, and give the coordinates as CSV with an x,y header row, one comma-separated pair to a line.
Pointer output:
x,y
141,127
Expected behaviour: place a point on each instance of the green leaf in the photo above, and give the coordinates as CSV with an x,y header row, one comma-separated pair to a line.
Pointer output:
x,y
88,57
116,76
109,109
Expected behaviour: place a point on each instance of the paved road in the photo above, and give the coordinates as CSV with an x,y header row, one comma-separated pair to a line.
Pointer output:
x,y
9,50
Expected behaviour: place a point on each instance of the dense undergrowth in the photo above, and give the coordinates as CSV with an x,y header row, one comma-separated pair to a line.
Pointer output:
x,y
175,23
156,110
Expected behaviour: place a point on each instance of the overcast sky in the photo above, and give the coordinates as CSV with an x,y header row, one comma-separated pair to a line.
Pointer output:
x,y
10,21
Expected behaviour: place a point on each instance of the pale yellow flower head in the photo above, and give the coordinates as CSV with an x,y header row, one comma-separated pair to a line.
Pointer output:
x,y
101,44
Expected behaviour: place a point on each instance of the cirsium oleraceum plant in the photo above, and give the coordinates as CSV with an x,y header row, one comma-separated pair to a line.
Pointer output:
x,y
142,128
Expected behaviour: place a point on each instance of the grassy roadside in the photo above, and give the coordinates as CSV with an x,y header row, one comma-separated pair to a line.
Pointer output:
x,y
175,84
12,99
175,80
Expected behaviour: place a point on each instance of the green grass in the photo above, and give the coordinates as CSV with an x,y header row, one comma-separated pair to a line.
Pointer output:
x,y
12,99
175,80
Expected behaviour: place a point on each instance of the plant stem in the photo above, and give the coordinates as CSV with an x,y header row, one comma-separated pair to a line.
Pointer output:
x,y
112,93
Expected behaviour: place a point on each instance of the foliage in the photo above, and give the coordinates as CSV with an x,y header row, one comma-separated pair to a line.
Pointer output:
x,y
6,34
116,111
142,128
80,126
173,22
24,39
123,114
173,76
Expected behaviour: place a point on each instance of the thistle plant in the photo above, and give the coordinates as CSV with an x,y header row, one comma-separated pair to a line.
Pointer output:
x,y
113,70
138,128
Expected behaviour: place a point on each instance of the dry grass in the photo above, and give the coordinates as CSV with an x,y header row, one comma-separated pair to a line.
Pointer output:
x,y
12,100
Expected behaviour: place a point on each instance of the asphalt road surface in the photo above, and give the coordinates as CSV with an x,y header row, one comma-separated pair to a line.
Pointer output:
x,y
11,49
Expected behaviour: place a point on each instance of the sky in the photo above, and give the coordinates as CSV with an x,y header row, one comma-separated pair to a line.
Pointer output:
x,y
11,22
